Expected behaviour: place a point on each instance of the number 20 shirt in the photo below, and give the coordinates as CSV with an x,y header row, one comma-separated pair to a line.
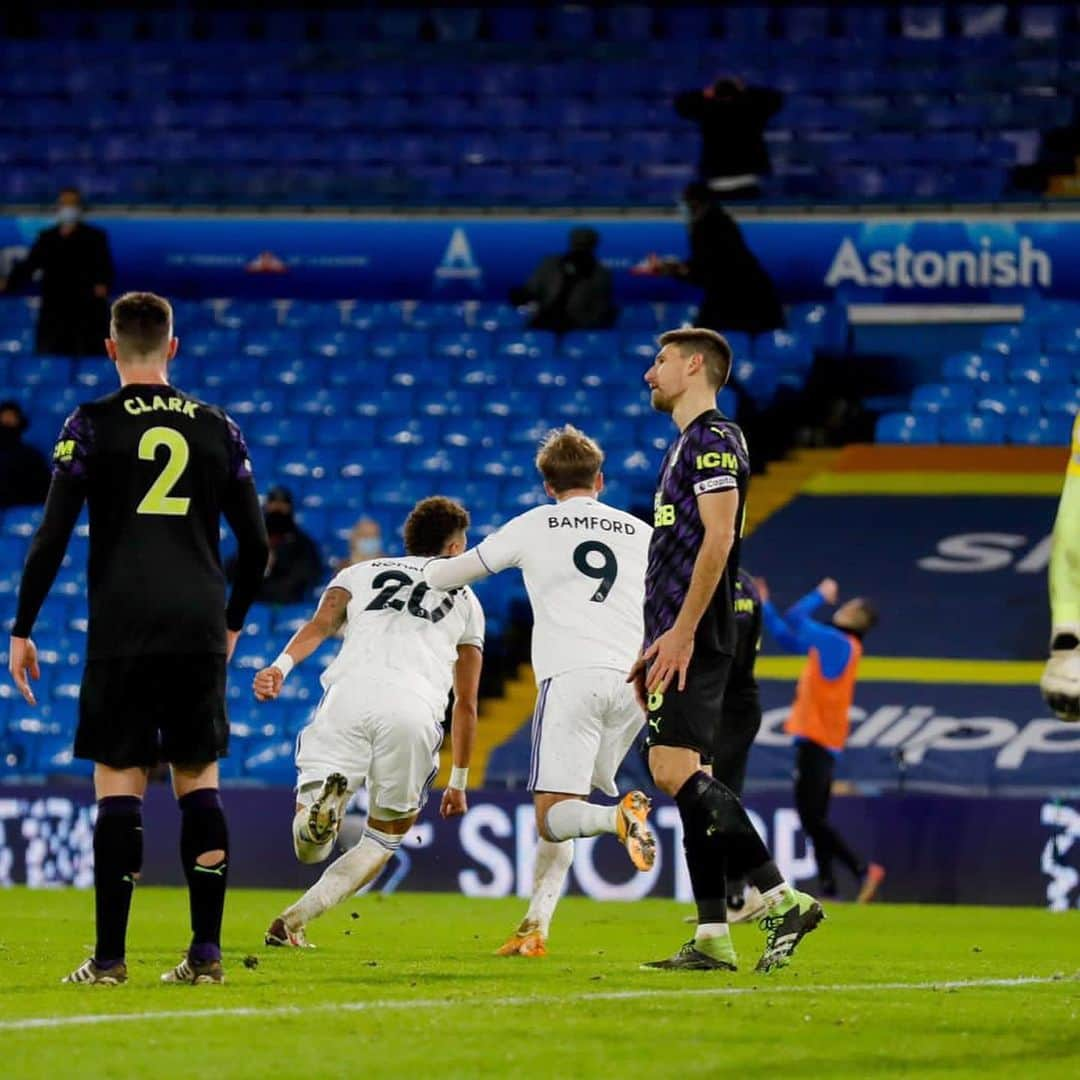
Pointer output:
x,y
584,568
157,469
400,632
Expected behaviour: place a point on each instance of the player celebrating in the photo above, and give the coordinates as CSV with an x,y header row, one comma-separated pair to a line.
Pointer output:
x,y
380,720
690,639
584,569
1061,677
157,469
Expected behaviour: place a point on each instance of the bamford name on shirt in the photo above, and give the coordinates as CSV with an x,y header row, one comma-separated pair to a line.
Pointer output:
x,y
603,524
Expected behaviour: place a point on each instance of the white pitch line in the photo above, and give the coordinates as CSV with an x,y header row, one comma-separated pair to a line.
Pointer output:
x,y
32,1023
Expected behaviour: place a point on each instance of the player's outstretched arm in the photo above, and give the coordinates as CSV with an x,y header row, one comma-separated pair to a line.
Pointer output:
x,y
455,572
327,621
463,727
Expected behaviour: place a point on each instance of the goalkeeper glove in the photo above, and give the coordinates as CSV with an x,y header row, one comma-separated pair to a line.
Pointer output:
x,y
1060,681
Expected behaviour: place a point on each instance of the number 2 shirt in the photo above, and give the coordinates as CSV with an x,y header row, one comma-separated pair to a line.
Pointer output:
x,y
584,568
401,632
157,468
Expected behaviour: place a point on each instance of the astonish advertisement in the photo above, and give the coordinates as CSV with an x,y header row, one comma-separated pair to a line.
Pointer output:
x,y
865,258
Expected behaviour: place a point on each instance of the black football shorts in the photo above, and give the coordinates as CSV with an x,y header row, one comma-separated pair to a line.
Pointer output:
x,y
691,717
139,711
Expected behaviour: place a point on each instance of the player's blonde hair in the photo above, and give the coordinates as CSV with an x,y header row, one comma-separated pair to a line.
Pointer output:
x,y
713,347
569,459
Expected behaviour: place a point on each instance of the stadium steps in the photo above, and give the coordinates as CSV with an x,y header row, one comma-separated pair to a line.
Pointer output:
x,y
500,719
782,481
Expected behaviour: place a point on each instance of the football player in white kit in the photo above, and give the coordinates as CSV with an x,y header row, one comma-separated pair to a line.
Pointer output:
x,y
584,569
380,720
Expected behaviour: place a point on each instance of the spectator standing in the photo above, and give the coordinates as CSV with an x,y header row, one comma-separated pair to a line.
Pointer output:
x,y
76,269
732,119
738,293
24,472
571,291
820,717
295,567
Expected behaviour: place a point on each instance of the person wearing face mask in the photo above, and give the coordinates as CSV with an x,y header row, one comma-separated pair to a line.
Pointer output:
x,y
295,567
571,291
76,274
24,472
365,543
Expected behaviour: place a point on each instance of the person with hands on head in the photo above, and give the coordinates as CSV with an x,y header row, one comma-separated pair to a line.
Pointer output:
x,y
379,723
820,717
690,641
1060,682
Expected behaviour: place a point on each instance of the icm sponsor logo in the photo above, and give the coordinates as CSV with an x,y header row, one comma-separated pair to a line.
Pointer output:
x,y
907,268
1061,856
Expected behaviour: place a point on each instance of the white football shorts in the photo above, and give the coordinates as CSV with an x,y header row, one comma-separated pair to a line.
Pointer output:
x,y
376,734
583,724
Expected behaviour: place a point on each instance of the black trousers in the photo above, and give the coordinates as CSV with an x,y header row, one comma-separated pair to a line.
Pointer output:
x,y
734,738
814,767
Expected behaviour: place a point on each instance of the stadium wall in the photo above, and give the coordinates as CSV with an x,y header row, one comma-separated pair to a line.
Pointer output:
x,y
865,257
942,850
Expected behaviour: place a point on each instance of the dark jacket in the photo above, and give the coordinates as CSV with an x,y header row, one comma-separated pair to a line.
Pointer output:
x,y
24,472
732,130
73,321
572,292
739,294
294,569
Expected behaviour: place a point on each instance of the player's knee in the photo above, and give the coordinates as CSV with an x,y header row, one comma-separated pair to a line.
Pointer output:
x,y
668,776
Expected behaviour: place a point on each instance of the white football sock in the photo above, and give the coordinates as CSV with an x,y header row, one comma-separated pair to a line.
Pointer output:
x,y
343,877
711,930
549,874
575,817
307,851
778,894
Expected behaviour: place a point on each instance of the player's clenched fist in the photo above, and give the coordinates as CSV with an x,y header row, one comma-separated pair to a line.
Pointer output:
x,y
267,683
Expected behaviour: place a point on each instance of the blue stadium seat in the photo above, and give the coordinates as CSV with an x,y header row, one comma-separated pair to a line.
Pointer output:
x,y
390,345
512,24
784,348
1055,430
1040,22
974,367
243,402
1057,399
345,344
395,402
293,372
943,398
461,346
757,379
474,433
982,429
1040,368
352,431
528,344
1005,399
271,342
1063,339
1009,339
312,315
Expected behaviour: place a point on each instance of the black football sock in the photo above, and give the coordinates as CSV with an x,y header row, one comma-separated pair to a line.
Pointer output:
x,y
202,830
118,851
704,858
727,822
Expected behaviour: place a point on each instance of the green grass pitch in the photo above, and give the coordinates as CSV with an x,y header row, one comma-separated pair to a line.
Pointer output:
x,y
408,987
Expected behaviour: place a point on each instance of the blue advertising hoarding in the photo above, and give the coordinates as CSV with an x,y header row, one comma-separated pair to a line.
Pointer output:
x,y
944,850
866,257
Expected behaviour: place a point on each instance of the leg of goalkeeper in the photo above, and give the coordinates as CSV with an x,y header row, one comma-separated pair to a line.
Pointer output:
x,y
353,870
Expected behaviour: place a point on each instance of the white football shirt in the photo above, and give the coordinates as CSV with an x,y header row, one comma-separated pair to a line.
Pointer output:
x,y
400,631
584,568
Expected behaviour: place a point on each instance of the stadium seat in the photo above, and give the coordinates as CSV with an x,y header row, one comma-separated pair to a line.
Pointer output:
x,y
974,367
1057,399
1055,430
903,427
1063,339
1008,400
1009,339
943,398
1040,368
981,429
